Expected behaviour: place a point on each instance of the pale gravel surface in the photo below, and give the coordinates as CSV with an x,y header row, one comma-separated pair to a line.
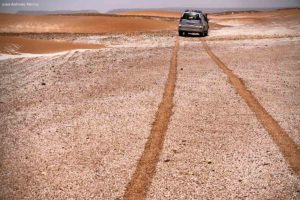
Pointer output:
x,y
271,70
123,40
79,135
255,30
280,25
73,125
215,147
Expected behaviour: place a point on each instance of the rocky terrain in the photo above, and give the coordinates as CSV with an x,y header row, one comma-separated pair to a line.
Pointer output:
x,y
81,122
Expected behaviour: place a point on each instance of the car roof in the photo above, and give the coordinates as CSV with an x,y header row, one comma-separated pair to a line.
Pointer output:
x,y
195,11
199,13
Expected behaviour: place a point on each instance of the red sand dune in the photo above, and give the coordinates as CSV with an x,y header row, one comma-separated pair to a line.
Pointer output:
x,y
16,45
278,14
81,24
152,13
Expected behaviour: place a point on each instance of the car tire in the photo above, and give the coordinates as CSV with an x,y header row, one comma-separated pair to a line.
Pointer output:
x,y
181,33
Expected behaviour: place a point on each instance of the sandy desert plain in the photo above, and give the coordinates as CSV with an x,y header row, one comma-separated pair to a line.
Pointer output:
x,y
120,107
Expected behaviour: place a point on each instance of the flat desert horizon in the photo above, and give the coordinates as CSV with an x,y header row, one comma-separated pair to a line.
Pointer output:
x,y
118,106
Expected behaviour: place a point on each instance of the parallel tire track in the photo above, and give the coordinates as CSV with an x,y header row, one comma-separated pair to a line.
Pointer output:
x,y
287,146
138,186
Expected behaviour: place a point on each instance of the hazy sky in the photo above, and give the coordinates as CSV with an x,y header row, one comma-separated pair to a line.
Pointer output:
x,y
105,5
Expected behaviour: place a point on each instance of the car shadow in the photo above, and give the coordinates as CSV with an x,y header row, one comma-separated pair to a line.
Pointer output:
x,y
194,35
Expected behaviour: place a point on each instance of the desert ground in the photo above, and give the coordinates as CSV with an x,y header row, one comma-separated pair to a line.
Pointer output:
x,y
120,107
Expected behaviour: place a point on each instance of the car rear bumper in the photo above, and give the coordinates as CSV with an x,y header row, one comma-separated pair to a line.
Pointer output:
x,y
191,29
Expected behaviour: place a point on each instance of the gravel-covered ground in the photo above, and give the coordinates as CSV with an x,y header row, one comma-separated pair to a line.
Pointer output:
x,y
215,147
73,125
271,70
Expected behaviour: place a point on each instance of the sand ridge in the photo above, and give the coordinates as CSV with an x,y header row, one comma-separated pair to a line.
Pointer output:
x,y
81,24
153,13
17,45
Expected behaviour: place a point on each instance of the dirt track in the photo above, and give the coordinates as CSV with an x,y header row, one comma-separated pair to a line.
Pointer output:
x,y
111,123
145,170
287,146
215,146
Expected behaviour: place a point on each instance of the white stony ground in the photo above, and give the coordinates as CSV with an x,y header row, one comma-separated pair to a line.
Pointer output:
x,y
73,125
215,147
270,68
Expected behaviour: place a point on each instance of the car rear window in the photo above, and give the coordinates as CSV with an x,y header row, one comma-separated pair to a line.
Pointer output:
x,y
191,16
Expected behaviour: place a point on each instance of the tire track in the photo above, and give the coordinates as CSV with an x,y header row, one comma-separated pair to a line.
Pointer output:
x,y
141,180
287,146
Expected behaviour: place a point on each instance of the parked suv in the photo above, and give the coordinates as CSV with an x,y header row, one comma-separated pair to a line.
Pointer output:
x,y
193,21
